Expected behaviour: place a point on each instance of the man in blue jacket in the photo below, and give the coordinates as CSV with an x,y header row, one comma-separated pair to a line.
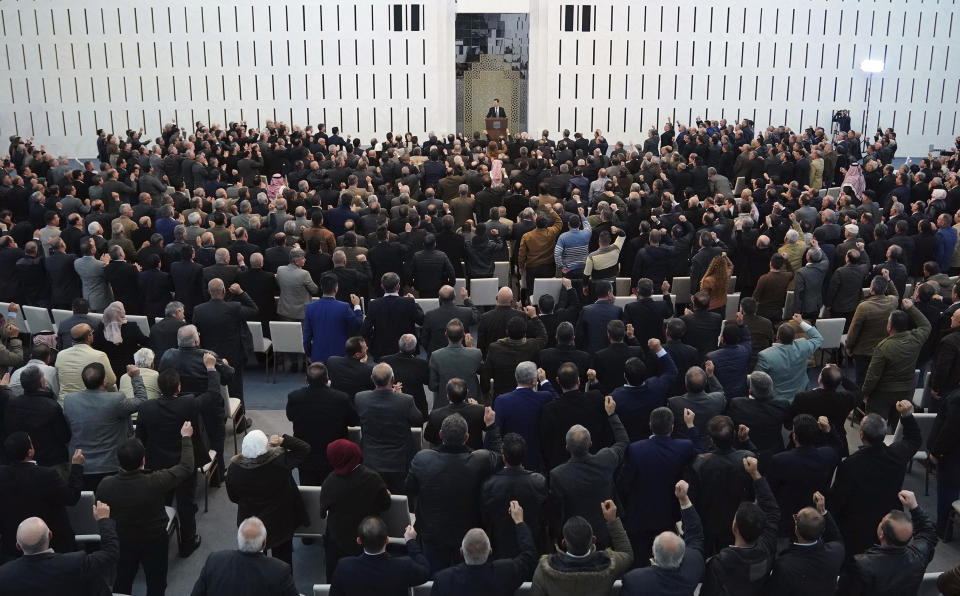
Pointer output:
x,y
375,571
677,562
642,394
327,322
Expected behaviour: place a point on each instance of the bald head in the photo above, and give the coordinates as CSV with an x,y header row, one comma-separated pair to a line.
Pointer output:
x,y
446,294
81,333
251,535
216,289
33,536
668,550
382,375
896,529
505,297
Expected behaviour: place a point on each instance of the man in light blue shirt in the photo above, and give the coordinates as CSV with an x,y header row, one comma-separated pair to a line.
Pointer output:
x,y
570,252
786,360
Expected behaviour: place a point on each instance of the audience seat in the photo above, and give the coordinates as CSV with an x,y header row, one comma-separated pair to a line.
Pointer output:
x,y
397,517
922,397
311,501
733,305
483,290
287,338
261,344
81,518
832,332
622,287
232,406
789,305
681,289
60,315
141,322
38,319
461,282
206,472
18,319
925,422
428,304
501,270
546,285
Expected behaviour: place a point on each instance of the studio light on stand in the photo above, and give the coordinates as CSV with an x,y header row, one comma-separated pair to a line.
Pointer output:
x,y
869,66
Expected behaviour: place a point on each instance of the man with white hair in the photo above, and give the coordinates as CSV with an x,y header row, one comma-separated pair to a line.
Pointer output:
x,y
42,571
223,326
677,562
478,575
144,359
247,569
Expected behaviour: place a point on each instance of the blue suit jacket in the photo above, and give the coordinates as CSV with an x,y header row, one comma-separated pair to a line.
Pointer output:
x,y
381,574
519,412
592,326
634,404
327,323
797,473
650,472
672,582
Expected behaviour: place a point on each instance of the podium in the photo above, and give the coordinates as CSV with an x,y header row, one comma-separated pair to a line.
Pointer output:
x,y
497,128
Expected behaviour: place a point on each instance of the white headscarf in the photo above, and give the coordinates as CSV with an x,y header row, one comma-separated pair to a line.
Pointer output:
x,y
254,444
114,316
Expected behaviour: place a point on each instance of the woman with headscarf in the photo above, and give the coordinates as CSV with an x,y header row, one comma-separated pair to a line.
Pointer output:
x,y
260,483
118,338
348,495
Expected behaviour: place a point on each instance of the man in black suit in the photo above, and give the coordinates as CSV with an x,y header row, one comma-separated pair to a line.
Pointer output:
x,y
375,571
471,411
411,372
493,323
124,280
220,269
432,332
187,275
320,415
63,278
703,326
829,400
351,280
496,111
163,334
262,287
573,406
41,572
28,489
351,372
684,355
155,287
158,429
502,576
221,325
608,363
646,314
812,563
552,314
564,351
389,317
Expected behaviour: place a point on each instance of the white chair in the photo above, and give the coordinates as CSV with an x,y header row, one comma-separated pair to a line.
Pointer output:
x,y
681,289
96,316
623,301
739,185
81,518
922,397
206,471
38,319
261,344
733,305
428,304
483,290
789,305
928,585
422,590
234,409
321,589
397,517
546,285
925,422
733,284
287,338
60,315
908,291
141,322
18,319
416,435
501,270
832,332
311,501
460,283
622,287
354,434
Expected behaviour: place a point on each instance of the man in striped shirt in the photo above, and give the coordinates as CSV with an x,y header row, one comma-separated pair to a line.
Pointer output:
x,y
572,247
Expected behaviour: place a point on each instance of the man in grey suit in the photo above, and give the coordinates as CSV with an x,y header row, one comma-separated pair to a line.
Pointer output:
x,y
719,184
100,421
457,360
296,286
93,276
435,322
386,416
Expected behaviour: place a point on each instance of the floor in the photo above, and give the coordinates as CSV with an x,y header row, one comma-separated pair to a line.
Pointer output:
x,y
266,401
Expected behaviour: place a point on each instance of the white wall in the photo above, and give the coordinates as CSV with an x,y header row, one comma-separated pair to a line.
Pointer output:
x,y
69,69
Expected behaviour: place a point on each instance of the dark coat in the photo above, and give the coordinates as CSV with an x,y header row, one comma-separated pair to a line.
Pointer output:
x,y
385,419
809,570
387,319
796,474
610,361
513,484
557,416
432,332
320,415
120,355
552,358
592,326
156,287
703,331
382,574
264,487
187,277
346,500
503,356
349,375
65,574
765,419
502,576
29,490
124,280
635,403
894,570
493,325
414,373
40,416
234,572
163,336
159,422
647,316
222,324
472,413
672,582
64,281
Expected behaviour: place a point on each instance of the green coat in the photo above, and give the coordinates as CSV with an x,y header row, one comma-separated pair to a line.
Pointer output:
x,y
895,358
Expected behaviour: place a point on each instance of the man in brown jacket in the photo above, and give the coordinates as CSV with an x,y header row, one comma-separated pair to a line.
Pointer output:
x,y
869,324
771,290
535,257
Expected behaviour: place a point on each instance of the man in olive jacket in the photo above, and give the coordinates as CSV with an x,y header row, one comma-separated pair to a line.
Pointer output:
x,y
890,376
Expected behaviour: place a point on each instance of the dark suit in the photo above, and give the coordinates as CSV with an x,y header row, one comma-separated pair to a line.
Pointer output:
x,y
222,325
647,316
557,416
703,331
30,490
414,373
187,277
320,415
552,358
514,483
804,570
39,415
381,574
353,281
634,403
386,418
433,330
163,336
609,364
496,112
349,375
236,572
70,574
124,280
472,413
502,576
156,289
262,287
764,418
672,582
387,319
503,356
592,326
63,278
493,325
795,474
684,356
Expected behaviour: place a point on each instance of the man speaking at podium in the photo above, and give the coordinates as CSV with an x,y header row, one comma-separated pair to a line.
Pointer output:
x,y
496,111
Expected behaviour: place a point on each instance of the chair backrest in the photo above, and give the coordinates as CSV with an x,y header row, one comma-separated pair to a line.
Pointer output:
x,y
681,288
256,332
501,270
926,398
141,322
732,287
833,191
287,336
739,185
832,331
321,589
354,434
81,518
622,286
789,305
60,315
397,517
733,305
18,319
546,285
96,316
483,290
908,291
428,304
925,422
311,501
416,435
622,301
461,282
38,319
928,585
422,589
